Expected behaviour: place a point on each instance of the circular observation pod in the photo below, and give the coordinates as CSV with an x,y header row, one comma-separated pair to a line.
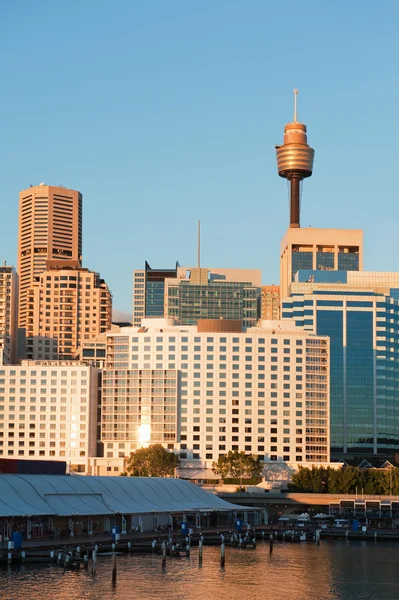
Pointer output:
x,y
294,158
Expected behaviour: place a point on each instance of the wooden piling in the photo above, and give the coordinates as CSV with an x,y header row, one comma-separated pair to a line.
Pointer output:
x,y
222,555
200,544
271,543
163,554
114,569
317,537
94,562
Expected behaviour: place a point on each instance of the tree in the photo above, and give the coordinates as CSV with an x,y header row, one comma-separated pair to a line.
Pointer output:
x,y
348,480
153,461
237,465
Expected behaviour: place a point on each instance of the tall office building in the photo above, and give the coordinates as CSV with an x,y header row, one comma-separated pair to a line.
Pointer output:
x,y
319,249
359,311
270,303
50,227
8,314
204,390
200,293
149,291
67,306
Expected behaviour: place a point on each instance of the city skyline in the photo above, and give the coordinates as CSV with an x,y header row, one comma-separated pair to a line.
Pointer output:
x,y
187,126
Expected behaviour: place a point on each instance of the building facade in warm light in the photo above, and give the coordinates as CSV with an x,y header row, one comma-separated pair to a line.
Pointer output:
x,y
202,393
50,227
201,293
8,314
270,303
48,411
68,306
93,351
320,250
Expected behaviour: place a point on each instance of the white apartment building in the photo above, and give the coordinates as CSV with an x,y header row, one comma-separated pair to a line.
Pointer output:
x,y
204,390
48,411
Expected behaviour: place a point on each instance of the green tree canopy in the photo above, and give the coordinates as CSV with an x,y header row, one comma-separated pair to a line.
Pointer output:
x,y
347,480
236,464
153,461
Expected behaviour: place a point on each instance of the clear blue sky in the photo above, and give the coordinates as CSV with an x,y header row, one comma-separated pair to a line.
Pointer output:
x,y
162,112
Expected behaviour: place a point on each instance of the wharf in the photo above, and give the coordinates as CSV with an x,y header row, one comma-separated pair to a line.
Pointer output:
x,y
389,535
46,551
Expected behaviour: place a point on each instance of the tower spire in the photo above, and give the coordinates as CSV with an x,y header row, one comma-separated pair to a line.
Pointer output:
x,y
295,101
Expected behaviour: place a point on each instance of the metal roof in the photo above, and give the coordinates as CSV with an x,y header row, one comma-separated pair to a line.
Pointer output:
x,y
64,495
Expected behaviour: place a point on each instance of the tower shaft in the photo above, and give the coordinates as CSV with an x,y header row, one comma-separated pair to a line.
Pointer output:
x,y
295,189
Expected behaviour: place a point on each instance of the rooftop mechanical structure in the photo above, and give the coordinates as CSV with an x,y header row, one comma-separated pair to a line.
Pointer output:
x,y
295,162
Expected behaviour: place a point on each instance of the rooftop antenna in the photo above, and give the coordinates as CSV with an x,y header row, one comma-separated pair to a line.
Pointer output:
x,y
295,101
199,245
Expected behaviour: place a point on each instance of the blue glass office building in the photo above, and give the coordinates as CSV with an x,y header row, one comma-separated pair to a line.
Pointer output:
x,y
360,313
149,292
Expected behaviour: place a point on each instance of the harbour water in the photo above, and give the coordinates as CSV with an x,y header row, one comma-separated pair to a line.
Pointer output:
x,y
335,570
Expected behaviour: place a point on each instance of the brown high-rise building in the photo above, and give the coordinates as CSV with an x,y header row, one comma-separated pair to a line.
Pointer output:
x,y
68,306
50,228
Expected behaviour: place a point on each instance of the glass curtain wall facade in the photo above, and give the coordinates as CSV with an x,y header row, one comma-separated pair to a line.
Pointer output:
x,y
363,326
149,292
325,260
155,289
190,302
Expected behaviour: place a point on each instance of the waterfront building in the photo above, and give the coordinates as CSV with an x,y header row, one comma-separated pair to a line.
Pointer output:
x,y
8,314
59,506
50,228
270,303
201,293
48,410
149,291
68,305
311,248
359,311
204,390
